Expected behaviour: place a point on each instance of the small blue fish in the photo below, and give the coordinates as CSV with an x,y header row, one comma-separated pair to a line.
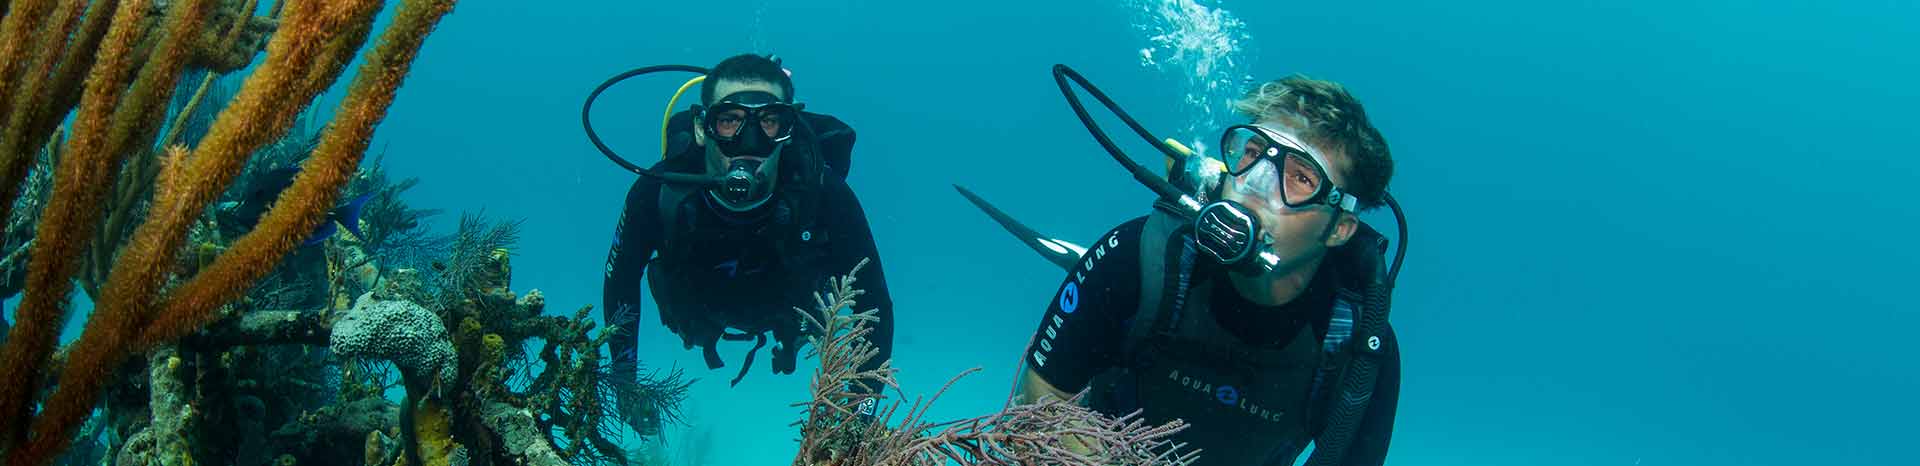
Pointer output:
x,y
254,205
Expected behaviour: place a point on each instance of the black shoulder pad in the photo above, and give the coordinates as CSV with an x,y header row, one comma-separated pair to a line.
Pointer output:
x,y
679,133
835,139
1363,259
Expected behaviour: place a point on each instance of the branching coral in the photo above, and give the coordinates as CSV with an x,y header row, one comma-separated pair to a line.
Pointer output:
x,y
18,235
394,230
573,395
464,275
132,64
832,432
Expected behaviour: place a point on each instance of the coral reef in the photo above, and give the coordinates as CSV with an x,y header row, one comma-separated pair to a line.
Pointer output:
x,y
113,67
336,434
403,332
164,440
571,399
520,434
433,434
394,231
17,239
264,386
1055,432
508,410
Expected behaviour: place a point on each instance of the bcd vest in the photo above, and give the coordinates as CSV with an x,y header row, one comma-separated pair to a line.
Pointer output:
x,y
1244,403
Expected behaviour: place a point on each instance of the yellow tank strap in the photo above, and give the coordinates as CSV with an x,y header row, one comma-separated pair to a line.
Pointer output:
x,y
1176,145
668,117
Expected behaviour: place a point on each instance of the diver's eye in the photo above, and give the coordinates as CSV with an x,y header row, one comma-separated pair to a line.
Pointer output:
x,y
1302,181
727,124
1248,156
770,124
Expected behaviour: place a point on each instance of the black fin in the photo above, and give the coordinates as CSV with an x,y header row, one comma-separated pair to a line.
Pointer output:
x,y
1060,253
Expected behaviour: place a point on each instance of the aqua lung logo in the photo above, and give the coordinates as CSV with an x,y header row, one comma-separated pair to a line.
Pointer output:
x,y
1225,395
1070,297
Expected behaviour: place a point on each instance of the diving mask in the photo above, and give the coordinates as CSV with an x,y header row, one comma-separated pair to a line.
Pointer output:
x,y
750,123
1268,164
1260,162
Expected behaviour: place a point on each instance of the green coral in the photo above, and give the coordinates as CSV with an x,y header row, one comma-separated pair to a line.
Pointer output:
x,y
495,347
433,434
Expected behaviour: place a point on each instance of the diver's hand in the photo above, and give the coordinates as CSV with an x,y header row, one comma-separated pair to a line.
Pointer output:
x,y
785,357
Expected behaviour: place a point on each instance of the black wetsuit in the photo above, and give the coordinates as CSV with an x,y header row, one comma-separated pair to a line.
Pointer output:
x,y
731,269
1081,344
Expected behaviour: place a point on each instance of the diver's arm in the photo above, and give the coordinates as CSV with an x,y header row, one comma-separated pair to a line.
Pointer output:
x,y
1369,446
852,241
1032,388
634,239
1082,333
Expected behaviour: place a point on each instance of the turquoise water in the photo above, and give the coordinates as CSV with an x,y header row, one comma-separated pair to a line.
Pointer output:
x,y
1645,233
1648,233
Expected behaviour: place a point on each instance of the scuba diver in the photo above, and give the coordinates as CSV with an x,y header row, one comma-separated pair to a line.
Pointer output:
x,y
744,218
1251,302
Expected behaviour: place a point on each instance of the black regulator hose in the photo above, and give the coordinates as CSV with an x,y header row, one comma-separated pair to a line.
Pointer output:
x,y
586,121
1061,73
1400,218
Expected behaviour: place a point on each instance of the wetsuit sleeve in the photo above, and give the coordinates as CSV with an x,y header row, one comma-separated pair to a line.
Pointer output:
x,y
1084,329
1376,429
851,241
635,237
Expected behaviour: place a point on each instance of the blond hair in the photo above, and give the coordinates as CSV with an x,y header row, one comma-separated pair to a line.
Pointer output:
x,y
1331,119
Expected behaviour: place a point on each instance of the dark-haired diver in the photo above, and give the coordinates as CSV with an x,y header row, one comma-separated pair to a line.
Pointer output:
x,y
1251,302
753,216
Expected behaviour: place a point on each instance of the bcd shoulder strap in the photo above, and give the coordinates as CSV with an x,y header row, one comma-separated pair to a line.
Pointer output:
x,y
1166,265
1354,359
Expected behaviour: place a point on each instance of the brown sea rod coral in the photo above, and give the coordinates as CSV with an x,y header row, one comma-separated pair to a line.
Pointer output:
x,y
112,66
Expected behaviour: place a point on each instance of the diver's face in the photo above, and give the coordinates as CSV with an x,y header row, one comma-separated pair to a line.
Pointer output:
x,y
734,121
1299,235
